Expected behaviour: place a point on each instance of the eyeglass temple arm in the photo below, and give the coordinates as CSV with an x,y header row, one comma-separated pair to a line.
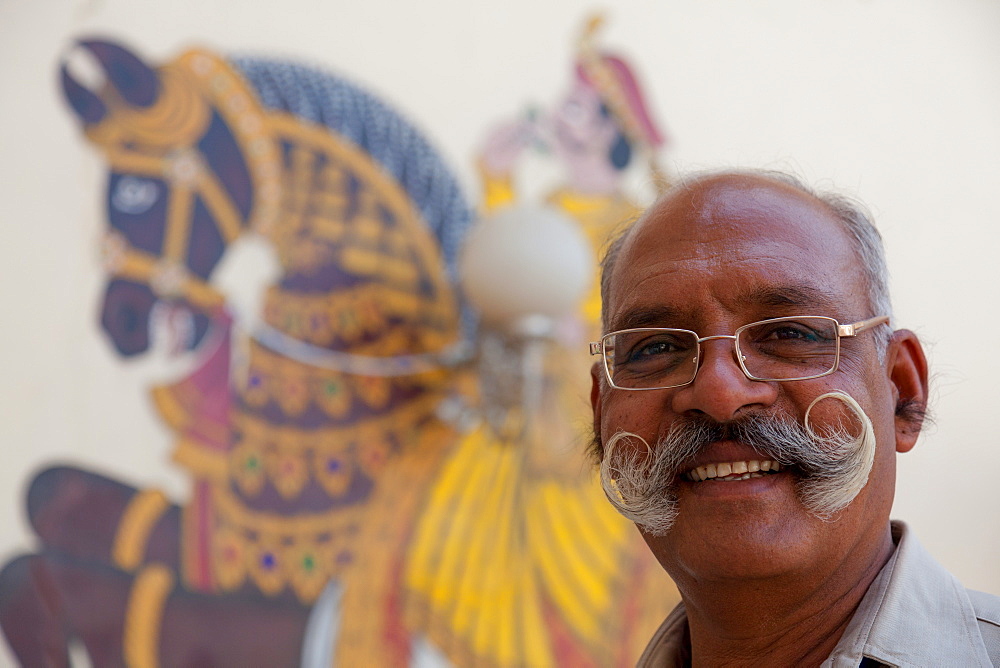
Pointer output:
x,y
855,328
595,347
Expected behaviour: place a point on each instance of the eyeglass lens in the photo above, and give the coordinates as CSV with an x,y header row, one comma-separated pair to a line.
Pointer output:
x,y
786,349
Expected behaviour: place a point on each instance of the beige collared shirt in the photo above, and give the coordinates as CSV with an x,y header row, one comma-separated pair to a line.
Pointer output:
x,y
915,614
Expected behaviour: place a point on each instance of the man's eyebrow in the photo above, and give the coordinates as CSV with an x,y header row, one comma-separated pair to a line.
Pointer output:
x,y
645,316
805,296
785,296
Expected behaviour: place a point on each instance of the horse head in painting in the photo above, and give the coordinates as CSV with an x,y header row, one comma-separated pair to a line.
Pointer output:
x,y
179,190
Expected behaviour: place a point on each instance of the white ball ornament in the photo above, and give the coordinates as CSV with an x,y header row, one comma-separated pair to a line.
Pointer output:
x,y
524,263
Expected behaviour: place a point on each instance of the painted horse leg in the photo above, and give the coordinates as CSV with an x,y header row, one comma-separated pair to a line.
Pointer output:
x,y
141,619
231,630
47,599
98,519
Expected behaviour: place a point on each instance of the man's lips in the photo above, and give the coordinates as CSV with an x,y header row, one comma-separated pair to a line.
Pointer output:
x,y
732,471
729,460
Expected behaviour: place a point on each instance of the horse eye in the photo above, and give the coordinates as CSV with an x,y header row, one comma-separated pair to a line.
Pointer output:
x,y
134,195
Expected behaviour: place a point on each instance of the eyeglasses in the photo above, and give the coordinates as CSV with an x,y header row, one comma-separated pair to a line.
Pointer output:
x,y
792,348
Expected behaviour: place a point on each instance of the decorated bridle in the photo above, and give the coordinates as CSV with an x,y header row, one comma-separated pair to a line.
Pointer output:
x,y
167,274
179,118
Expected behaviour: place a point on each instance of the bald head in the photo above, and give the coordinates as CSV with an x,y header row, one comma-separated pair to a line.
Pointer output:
x,y
728,198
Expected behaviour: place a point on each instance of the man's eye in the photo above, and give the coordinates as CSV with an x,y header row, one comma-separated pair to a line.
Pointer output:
x,y
791,331
794,332
652,350
654,347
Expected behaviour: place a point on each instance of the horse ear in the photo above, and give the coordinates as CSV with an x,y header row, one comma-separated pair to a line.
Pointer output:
x,y
136,82
86,104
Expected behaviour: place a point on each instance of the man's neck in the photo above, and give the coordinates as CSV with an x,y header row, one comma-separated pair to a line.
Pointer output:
x,y
795,621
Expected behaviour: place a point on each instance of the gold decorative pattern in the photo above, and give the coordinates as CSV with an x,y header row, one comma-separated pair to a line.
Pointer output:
x,y
288,472
399,423
204,462
232,512
373,390
288,457
180,211
335,470
229,557
246,466
303,551
276,552
386,242
312,566
238,105
165,277
141,514
144,616
295,386
179,117
332,395
360,312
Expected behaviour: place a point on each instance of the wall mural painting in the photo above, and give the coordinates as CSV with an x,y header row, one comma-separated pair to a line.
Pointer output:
x,y
350,504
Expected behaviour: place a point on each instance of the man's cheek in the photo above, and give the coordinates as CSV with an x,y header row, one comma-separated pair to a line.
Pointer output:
x,y
628,416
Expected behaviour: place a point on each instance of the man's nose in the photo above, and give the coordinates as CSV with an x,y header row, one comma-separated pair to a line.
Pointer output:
x,y
720,389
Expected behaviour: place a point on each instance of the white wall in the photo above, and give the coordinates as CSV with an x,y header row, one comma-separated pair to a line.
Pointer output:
x,y
895,100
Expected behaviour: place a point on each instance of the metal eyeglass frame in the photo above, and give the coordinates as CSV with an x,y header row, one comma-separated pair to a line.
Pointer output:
x,y
843,331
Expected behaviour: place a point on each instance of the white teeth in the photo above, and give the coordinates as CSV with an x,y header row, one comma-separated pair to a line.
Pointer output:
x,y
731,471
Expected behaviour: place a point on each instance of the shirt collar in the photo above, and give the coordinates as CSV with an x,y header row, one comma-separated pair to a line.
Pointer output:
x,y
915,614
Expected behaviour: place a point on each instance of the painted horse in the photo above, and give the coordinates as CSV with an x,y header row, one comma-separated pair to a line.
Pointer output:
x,y
329,473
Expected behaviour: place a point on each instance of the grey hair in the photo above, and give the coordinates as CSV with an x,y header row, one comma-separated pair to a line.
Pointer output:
x,y
854,217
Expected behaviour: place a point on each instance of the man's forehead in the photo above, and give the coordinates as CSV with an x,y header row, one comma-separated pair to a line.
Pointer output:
x,y
744,203
746,230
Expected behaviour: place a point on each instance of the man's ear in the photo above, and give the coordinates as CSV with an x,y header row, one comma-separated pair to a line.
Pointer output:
x,y
595,395
907,368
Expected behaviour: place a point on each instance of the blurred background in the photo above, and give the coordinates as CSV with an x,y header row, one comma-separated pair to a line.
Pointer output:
x,y
894,101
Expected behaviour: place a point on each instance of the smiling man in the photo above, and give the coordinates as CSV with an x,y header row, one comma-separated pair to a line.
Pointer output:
x,y
749,403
